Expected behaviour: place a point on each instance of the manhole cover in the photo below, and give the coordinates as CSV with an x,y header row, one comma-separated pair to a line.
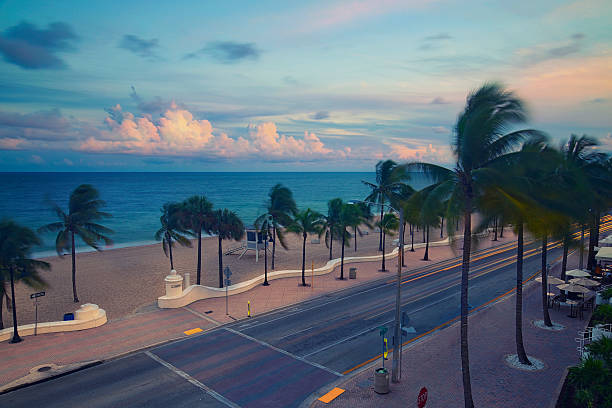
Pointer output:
x,y
43,369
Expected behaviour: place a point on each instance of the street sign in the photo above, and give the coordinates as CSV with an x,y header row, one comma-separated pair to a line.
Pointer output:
x,y
383,330
228,282
422,398
37,295
227,272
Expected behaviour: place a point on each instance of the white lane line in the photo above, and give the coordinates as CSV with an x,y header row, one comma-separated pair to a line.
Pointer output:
x,y
294,333
192,380
213,321
263,343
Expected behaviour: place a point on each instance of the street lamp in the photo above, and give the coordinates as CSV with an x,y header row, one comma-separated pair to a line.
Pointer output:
x,y
395,366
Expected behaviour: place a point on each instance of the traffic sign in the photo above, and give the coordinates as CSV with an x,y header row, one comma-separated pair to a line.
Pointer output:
x,y
227,272
383,330
228,282
422,398
37,295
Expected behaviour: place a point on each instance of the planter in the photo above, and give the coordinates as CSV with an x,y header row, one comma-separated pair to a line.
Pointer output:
x,y
381,381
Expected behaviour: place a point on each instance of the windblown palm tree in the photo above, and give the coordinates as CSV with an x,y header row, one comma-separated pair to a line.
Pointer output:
x,y
304,223
387,183
388,224
350,216
196,214
281,208
16,243
365,218
334,206
479,141
226,225
398,201
171,230
80,221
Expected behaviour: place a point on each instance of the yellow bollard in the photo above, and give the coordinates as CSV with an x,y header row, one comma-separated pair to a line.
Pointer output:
x,y
249,308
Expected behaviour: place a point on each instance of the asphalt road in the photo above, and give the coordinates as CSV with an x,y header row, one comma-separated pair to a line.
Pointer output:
x,y
279,358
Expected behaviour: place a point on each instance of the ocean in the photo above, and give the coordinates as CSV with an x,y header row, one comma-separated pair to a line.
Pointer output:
x,y
135,199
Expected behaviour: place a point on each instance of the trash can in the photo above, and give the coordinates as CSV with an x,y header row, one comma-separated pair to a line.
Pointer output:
x,y
381,381
353,273
68,316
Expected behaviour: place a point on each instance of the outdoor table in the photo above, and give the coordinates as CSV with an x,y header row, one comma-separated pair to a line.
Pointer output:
x,y
572,303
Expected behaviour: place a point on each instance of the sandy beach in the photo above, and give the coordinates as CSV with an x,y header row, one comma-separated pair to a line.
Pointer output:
x,y
128,280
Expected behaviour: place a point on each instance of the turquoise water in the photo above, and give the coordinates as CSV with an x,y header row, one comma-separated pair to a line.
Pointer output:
x,y
135,199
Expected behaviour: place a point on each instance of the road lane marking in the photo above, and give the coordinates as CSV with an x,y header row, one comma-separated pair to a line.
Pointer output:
x,y
193,381
263,343
294,333
193,331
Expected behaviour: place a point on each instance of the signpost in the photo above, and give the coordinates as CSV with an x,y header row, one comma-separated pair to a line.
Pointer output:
x,y
227,273
422,398
35,296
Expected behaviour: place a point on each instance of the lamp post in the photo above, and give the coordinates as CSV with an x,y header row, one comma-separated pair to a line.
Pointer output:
x,y
397,335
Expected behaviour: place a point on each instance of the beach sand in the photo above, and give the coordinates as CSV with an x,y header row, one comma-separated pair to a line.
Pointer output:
x,y
129,280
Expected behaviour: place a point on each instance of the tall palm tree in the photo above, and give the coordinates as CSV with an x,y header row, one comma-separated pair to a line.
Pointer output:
x,y
388,224
304,223
387,183
81,221
334,206
16,244
226,225
171,230
478,142
398,201
196,214
365,218
350,216
281,208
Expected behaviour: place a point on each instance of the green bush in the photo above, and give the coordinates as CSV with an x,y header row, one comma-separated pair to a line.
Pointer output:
x,y
602,350
592,382
603,314
607,294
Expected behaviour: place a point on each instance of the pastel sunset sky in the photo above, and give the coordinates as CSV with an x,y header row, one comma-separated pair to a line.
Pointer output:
x,y
285,85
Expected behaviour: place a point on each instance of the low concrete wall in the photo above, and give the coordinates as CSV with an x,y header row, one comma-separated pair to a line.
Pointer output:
x,y
194,293
94,319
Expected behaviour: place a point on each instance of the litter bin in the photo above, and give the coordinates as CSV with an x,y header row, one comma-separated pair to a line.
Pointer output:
x,y
381,381
353,273
68,316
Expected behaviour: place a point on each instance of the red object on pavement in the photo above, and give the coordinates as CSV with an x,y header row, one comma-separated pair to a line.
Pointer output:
x,y
422,399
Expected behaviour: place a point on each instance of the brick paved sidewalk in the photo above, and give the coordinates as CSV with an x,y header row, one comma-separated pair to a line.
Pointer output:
x,y
145,329
434,362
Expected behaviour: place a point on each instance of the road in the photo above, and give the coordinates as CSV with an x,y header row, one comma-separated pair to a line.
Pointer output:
x,y
279,358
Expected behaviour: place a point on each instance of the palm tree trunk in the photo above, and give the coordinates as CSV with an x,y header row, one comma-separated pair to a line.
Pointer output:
x,y
273,244
457,227
403,241
331,241
380,235
220,262
2,296
383,252
199,255
591,253
501,229
495,229
426,257
441,227
411,238
304,259
566,241
170,251
74,290
520,348
465,270
16,338
547,320
342,258
355,232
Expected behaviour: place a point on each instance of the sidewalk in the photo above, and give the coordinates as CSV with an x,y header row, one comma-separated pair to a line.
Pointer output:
x,y
434,362
160,325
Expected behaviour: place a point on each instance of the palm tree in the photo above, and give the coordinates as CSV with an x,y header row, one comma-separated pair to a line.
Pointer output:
x,y
16,244
478,142
81,221
304,223
334,207
226,225
280,207
351,215
398,201
171,230
387,225
387,183
365,217
196,214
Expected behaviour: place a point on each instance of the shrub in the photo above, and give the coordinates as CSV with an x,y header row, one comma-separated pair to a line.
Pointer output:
x,y
602,350
607,294
603,314
592,382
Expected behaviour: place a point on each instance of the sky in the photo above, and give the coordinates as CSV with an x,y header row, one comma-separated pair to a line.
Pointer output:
x,y
286,85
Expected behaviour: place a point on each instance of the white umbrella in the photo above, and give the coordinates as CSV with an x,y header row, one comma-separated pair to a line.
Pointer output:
x,y
578,273
570,287
584,282
552,280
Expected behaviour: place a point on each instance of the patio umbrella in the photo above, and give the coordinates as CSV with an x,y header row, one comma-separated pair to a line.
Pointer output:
x,y
571,287
584,282
578,273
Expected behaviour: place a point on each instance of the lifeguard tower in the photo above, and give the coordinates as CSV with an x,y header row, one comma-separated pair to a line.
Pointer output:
x,y
254,242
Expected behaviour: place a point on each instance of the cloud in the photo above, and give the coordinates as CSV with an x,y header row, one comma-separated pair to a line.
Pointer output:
x,y
227,52
155,106
434,41
438,100
598,100
543,52
31,48
320,115
36,159
441,129
438,37
68,162
416,150
141,47
42,125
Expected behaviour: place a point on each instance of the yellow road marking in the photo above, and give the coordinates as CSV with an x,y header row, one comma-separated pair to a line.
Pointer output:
x,y
193,331
330,396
